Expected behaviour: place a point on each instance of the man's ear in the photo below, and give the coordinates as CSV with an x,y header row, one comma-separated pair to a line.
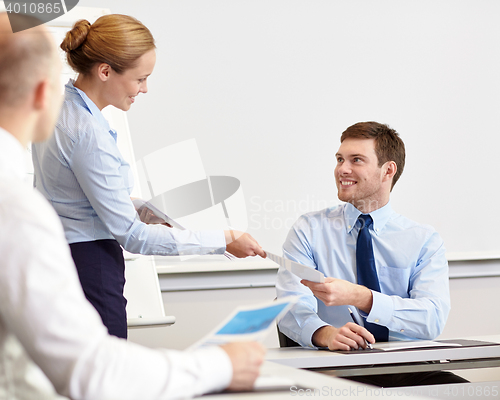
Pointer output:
x,y
41,95
390,169
103,71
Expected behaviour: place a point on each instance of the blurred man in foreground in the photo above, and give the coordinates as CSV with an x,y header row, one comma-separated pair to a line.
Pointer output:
x,y
45,320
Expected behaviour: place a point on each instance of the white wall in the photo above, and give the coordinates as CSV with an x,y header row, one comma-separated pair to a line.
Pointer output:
x,y
198,313
267,86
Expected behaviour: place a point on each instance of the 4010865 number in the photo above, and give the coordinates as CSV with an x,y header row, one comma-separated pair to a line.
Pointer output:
x,y
33,8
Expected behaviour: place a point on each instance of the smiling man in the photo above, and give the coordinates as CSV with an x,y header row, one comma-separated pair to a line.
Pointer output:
x,y
391,272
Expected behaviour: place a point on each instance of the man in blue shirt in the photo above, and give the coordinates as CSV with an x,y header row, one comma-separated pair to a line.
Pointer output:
x,y
411,300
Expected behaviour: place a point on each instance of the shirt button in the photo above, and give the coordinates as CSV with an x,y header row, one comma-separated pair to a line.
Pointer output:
x,y
402,330
349,226
376,321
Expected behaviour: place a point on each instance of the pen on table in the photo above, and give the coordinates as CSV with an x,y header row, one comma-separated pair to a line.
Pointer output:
x,y
368,344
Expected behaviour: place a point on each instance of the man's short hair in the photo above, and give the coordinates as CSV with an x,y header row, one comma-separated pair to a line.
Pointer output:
x,y
25,58
388,143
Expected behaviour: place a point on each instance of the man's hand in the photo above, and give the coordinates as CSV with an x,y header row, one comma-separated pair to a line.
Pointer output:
x,y
338,292
350,336
242,245
246,357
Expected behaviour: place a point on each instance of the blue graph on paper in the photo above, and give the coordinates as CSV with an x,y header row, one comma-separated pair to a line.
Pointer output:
x,y
252,320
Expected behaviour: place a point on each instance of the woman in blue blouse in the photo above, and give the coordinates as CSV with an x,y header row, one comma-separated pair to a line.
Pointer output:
x,y
82,173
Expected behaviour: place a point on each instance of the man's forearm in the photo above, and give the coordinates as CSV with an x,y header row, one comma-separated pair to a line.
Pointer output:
x,y
321,338
362,298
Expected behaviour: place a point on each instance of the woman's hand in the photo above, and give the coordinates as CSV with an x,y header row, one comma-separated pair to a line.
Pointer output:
x,y
242,245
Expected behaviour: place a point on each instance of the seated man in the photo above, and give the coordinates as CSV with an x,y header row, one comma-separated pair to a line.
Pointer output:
x,y
46,324
390,271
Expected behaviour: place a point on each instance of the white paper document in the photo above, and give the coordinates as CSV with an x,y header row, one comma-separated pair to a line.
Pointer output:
x,y
419,344
250,323
302,271
139,205
267,383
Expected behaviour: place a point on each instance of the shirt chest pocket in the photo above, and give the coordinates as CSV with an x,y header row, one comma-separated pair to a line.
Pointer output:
x,y
394,280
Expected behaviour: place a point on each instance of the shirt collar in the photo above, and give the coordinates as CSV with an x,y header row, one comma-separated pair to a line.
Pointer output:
x,y
380,217
13,158
79,96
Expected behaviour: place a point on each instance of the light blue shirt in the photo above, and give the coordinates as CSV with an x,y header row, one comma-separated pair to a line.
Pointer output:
x,y
83,175
414,301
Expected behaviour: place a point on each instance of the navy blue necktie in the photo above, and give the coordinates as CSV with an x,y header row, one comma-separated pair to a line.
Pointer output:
x,y
367,273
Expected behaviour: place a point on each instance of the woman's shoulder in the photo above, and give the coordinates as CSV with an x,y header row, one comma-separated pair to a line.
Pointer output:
x,y
77,122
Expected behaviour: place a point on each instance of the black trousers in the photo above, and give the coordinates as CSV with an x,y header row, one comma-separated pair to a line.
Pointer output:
x,y
409,379
101,269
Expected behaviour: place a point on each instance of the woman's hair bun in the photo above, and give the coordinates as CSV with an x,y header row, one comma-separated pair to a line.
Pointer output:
x,y
76,36
113,39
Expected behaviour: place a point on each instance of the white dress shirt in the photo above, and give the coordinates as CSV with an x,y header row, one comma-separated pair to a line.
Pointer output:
x,y
414,298
46,321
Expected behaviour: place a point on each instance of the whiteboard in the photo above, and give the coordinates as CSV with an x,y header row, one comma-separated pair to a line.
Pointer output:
x,y
267,86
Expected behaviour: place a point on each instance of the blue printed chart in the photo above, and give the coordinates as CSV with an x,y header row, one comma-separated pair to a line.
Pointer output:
x,y
250,323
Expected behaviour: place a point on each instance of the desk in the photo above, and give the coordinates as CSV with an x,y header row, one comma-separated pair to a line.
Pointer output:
x,y
319,385
369,363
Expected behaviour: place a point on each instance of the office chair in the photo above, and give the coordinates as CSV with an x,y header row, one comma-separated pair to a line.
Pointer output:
x,y
284,340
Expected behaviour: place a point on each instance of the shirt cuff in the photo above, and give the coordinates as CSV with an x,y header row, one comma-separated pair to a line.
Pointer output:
x,y
216,367
308,331
382,309
213,242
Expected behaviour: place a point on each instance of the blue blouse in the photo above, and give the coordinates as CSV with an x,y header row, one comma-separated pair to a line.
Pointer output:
x,y
83,175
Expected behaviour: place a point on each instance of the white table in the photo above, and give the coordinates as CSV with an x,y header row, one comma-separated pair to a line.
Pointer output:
x,y
380,362
306,384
